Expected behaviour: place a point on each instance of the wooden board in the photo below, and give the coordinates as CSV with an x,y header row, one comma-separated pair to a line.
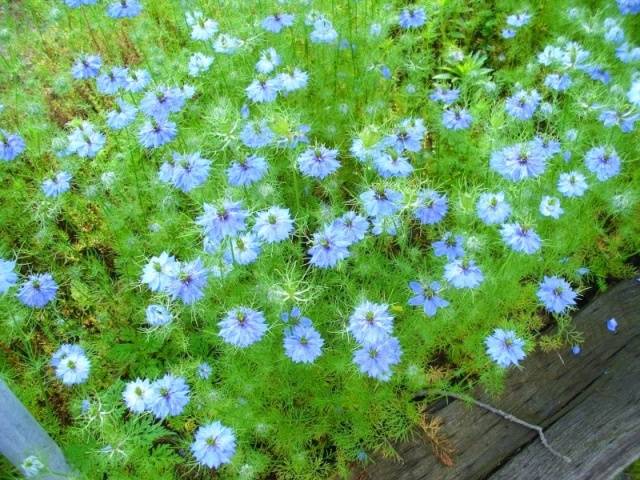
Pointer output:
x,y
589,406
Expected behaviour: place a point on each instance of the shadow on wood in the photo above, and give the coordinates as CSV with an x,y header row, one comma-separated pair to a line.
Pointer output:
x,y
587,404
22,436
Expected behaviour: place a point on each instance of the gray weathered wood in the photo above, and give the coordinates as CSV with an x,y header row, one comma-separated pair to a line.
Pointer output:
x,y
21,436
586,402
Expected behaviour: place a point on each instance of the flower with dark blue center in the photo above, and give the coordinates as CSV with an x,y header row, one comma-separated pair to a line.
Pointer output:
x,y
273,225
242,326
302,342
124,9
519,161
629,7
122,115
38,290
522,104
189,171
381,202
504,347
112,81
213,445
318,162
190,282
558,82
463,273
323,31
376,359
257,134
520,238
219,222
276,22
518,20
85,141
430,207
263,90
556,294
247,171
446,96
408,136
456,118
168,397
370,322
137,80
508,33
492,208
158,315
427,297
86,66
11,145
155,133
352,226
603,162
450,246
60,183
572,184
159,102
8,276
328,247
412,17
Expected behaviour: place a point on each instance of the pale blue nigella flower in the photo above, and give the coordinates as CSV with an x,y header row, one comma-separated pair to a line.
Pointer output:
x,y
504,347
38,290
556,294
213,445
427,297
169,395
242,326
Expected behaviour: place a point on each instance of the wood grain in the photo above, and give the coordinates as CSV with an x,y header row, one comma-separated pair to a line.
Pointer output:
x,y
586,404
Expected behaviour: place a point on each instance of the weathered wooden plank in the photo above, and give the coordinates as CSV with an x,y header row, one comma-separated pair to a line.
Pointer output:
x,y
546,389
21,436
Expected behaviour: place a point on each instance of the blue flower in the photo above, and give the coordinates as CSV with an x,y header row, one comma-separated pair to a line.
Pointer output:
x,y
628,53
79,3
161,101
52,187
430,207
492,208
122,116
169,395
242,326
450,246
392,164
550,207
85,141
226,220
187,171
137,80
124,9
556,294
456,119
633,95
508,33
370,322
412,17
318,162
110,82
8,277
572,184
385,225
328,247
86,66
257,134
11,145
263,90
213,445
597,73
518,20
557,82
519,161
292,81
158,315
247,171
323,31
38,290
273,225
276,22
446,96
243,249
629,7
188,285
603,162
201,28
199,63
376,359
204,371
381,202
504,347
160,272
137,394
302,342
352,227
155,133
520,238
463,273
612,325
408,136
71,364
427,297
522,104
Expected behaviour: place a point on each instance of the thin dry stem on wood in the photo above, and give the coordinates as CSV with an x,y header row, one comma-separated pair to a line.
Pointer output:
x,y
506,416
441,446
